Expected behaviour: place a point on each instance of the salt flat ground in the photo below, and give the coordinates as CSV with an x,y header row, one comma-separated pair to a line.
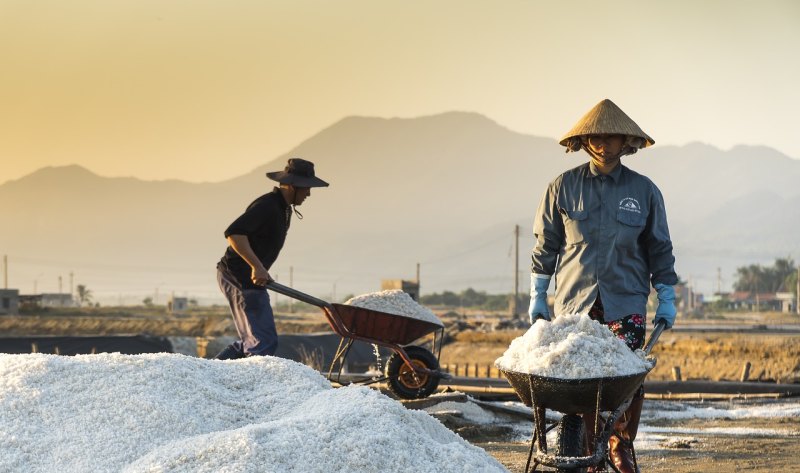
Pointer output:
x,y
758,436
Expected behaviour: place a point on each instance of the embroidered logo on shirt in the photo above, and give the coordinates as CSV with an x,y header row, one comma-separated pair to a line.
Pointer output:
x,y
630,204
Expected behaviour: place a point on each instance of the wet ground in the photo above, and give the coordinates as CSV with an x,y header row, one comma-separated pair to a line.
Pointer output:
x,y
758,436
709,454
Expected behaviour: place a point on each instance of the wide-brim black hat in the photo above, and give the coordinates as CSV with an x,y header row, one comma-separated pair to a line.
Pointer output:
x,y
298,172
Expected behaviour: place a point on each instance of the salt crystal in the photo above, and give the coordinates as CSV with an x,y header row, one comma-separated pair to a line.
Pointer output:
x,y
572,347
395,301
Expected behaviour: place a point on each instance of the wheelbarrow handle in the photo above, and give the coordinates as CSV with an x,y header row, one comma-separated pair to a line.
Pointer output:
x,y
660,326
295,294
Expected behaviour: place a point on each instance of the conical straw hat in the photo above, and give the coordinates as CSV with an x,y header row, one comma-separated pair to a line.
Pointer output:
x,y
606,119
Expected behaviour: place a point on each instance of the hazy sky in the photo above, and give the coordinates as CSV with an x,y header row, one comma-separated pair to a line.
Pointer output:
x,y
204,90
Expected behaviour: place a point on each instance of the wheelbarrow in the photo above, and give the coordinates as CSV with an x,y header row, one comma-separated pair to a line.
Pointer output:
x,y
412,371
608,398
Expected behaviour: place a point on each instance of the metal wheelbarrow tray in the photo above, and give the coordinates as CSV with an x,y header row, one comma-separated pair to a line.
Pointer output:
x,y
573,397
411,372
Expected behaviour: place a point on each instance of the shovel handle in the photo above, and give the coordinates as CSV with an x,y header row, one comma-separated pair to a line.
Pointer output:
x,y
660,326
295,294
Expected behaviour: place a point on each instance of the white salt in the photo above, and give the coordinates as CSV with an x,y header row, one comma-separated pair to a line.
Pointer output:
x,y
572,347
395,301
173,413
469,410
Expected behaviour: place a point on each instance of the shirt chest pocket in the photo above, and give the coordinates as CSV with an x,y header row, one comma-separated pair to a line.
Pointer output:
x,y
630,226
576,226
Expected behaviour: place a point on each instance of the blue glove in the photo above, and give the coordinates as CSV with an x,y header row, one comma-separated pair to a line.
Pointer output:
x,y
666,305
538,307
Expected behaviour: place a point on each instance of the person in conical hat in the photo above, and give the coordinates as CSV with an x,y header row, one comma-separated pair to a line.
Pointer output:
x,y
601,230
255,239
606,120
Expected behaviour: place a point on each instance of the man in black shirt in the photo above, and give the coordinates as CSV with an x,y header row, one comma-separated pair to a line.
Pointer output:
x,y
255,239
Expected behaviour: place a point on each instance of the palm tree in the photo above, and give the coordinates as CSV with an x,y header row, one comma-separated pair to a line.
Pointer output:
x,y
783,269
747,278
84,295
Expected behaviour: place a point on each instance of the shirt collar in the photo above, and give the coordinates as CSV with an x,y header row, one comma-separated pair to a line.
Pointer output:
x,y
277,190
614,174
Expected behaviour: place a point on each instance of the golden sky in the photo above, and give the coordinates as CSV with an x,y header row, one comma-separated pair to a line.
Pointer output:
x,y
205,90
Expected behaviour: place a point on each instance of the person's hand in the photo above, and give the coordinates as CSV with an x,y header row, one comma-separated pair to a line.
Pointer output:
x,y
260,276
538,306
538,310
666,310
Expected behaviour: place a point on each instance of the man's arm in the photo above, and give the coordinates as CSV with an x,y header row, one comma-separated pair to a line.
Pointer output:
x,y
548,229
661,260
241,245
658,243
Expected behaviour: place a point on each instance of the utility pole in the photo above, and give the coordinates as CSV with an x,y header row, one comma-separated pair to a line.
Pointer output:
x,y
758,302
419,291
5,271
719,282
72,283
60,285
514,308
797,298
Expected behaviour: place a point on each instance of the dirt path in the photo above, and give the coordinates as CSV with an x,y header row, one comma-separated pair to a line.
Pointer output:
x,y
703,453
714,454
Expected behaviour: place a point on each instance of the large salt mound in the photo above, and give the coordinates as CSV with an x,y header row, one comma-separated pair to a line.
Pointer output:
x,y
394,301
173,413
571,347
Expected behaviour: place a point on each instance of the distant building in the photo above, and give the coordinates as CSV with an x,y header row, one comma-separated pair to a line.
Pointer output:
x,y
56,300
409,287
177,305
688,301
9,301
742,300
787,301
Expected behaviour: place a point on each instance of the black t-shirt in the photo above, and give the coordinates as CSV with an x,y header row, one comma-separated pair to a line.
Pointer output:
x,y
265,223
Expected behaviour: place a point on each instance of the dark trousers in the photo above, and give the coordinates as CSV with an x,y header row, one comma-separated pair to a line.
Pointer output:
x,y
252,315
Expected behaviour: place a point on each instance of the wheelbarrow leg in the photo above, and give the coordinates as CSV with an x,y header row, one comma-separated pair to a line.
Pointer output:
x,y
538,432
339,358
538,439
593,424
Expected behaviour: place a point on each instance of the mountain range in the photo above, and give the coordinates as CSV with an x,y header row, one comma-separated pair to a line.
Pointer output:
x,y
444,191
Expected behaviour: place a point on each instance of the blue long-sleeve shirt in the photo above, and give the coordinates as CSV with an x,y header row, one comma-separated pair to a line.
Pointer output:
x,y
603,233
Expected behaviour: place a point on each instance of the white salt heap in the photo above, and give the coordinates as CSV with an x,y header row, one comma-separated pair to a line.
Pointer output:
x,y
173,413
395,301
572,347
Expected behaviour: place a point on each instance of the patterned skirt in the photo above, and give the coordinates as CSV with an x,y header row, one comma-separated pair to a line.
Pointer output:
x,y
631,328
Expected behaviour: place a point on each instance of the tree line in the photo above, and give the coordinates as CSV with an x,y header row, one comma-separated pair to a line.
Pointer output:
x,y
474,299
780,277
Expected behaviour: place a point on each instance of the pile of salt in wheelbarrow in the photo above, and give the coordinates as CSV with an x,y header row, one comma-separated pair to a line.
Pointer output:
x,y
412,371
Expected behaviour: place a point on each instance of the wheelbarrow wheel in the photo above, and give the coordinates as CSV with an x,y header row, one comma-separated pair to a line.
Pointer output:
x,y
569,440
404,382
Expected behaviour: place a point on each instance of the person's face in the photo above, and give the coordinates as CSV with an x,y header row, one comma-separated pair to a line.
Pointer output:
x,y
300,194
605,145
